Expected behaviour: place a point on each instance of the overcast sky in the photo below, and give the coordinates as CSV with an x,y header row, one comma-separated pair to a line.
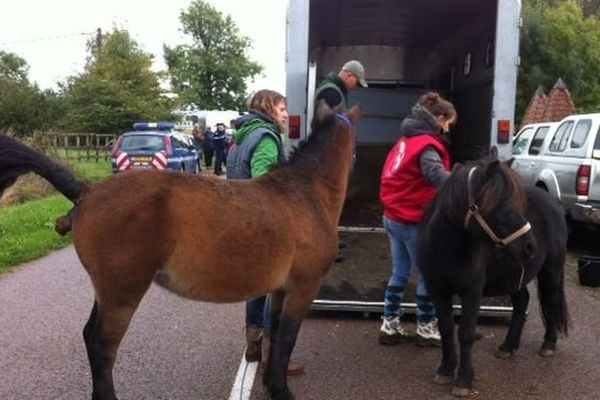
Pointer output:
x,y
51,35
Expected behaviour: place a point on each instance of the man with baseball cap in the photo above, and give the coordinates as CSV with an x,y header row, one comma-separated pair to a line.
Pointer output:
x,y
334,88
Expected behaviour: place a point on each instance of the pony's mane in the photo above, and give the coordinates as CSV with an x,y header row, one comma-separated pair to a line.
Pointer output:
x,y
310,151
494,186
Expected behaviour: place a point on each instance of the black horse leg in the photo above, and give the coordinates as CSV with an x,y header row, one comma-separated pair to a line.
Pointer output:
x,y
466,335
102,335
295,304
276,305
103,388
551,294
274,377
520,301
445,372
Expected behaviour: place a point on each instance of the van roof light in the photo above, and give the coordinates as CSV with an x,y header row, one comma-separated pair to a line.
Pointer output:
x,y
154,126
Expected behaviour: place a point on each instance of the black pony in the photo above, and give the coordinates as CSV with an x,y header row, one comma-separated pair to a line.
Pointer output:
x,y
485,234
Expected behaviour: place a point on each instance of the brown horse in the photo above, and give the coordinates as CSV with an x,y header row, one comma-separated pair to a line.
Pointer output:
x,y
142,226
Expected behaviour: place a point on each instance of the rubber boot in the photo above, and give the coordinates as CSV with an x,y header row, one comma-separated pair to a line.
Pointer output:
x,y
254,337
294,367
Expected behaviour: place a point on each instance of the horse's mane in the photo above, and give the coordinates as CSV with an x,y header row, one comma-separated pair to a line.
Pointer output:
x,y
312,151
494,186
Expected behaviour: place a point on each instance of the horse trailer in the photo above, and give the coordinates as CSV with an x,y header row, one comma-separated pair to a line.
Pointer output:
x,y
466,50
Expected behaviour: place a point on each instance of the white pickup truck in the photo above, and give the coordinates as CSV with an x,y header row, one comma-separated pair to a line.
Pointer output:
x,y
563,158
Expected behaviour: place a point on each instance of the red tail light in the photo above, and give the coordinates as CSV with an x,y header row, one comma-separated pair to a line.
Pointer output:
x,y
504,131
168,146
294,127
582,186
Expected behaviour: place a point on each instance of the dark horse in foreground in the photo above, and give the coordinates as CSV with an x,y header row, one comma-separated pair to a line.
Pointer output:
x,y
142,226
486,235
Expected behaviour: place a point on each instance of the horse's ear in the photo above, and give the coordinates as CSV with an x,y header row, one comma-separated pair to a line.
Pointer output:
x,y
509,162
494,153
323,111
492,168
354,114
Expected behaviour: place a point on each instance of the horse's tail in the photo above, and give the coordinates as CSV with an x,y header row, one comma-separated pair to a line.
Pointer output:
x,y
552,299
17,159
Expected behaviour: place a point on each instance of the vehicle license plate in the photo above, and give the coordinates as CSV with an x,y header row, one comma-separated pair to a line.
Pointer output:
x,y
141,160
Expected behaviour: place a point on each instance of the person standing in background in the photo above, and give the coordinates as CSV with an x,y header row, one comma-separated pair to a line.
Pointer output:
x,y
415,167
220,145
258,149
334,88
198,135
334,91
208,147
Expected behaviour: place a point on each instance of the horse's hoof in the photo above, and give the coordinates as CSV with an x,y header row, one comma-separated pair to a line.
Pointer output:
x,y
546,352
503,354
461,392
443,379
282,395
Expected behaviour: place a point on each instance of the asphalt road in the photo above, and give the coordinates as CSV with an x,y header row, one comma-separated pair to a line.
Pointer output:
x,y
180,349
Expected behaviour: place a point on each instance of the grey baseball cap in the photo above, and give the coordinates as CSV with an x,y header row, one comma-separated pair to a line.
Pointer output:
x,y
356,69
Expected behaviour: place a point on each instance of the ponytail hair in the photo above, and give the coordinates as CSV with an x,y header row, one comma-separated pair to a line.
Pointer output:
x,y
437,106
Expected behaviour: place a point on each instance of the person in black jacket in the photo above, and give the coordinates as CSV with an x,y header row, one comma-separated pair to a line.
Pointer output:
x,y
208,147
220,145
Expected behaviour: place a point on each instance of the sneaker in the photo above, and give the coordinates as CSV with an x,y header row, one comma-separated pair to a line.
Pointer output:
x,y
428,334
391,332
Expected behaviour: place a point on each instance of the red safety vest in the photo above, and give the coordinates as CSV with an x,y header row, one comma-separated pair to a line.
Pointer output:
x,y
404,192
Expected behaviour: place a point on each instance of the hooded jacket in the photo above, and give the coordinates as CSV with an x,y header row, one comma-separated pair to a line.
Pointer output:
x,y
258,147
417,164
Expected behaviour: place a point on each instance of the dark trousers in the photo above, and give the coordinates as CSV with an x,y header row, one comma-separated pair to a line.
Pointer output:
x,y
258,313
219,161
208,156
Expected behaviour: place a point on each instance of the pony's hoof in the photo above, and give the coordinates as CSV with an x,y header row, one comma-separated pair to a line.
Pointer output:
x,y
461,392
503,354
443,379
282,394
546,352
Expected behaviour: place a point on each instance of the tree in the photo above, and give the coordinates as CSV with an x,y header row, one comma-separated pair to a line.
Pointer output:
x,y
13,67
590,7
211,72
23,107
559,42
116,89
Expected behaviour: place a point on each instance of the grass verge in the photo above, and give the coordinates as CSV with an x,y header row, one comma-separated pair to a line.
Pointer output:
x,y
27,230
28,211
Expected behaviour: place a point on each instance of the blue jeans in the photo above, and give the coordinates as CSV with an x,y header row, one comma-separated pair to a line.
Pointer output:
x,y
404,241
258,313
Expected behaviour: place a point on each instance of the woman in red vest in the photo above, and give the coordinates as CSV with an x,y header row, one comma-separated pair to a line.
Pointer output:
x,y
414,168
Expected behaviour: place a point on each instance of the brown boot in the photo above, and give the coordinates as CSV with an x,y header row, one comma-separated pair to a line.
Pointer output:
x,y
294,367
254,335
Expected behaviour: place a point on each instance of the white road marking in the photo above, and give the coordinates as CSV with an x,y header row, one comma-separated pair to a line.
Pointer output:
x,y
242,387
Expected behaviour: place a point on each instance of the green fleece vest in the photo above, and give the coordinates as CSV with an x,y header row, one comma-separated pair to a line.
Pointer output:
x,y
330,85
